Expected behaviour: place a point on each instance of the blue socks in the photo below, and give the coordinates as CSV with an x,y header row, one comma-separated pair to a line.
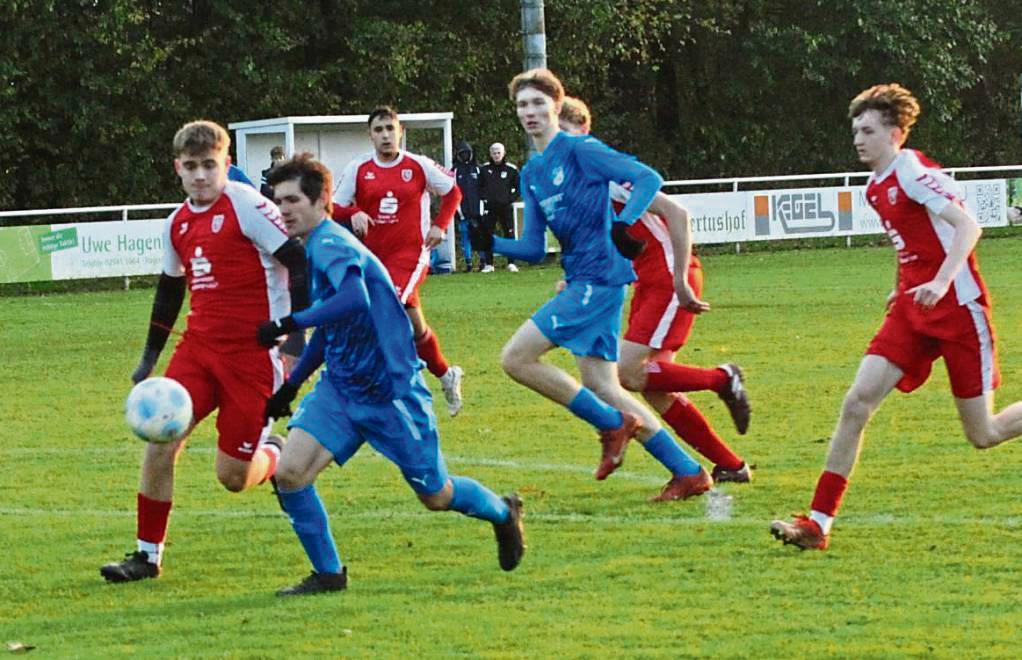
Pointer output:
x,y
663,448
310,522
594,410
476,500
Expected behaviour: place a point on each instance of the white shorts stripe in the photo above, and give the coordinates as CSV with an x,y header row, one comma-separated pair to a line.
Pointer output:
x,y
416,274
664,325
986,344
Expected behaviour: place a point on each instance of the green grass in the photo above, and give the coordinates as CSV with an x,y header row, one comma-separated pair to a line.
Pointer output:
x,y
923,559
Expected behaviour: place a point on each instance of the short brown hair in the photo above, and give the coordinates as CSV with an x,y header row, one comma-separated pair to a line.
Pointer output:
x,y
577,112
896,105
383,111
542,79
312,175
198,137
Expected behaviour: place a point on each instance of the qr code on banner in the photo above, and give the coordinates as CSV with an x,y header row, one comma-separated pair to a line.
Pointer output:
x,y
989,203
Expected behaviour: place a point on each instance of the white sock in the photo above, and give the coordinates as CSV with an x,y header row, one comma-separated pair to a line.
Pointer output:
x,y
154,550
823,520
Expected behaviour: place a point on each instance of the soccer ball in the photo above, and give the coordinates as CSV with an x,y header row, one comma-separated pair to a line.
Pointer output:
x,y
159,410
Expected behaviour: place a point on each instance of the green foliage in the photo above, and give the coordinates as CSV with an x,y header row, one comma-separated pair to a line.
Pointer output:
x,y
923,559
92,90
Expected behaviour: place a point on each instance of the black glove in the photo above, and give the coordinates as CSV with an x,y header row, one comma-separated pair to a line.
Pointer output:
x,y
270,330
629,247
278,405
145,365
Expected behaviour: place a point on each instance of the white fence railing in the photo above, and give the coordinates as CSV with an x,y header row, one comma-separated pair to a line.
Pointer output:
x,y
127,244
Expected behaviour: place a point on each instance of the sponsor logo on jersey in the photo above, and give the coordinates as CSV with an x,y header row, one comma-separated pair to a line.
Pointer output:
x,y
406,175
369,176
218,223
558,176
892,195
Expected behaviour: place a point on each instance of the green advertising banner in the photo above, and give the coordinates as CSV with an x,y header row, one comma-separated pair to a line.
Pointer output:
x,y
21,254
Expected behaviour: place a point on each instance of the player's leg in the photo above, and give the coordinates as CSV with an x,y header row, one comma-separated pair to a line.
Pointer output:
x,y
506,222
428,348
320,432
154,499
982,427
875,379
465,231
247,454
688,478
521,360
406,432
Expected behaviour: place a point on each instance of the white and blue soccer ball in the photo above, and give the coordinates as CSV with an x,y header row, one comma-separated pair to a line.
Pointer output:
x,y
159,410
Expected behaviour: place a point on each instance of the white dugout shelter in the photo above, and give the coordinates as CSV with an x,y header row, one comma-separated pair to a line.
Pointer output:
x,y
336,139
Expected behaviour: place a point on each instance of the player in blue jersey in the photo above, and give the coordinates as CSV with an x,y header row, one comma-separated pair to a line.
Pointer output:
x,y
371,390
565,187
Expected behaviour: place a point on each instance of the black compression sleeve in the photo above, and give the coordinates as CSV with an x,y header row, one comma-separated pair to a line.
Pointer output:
x,y
292,255
170,295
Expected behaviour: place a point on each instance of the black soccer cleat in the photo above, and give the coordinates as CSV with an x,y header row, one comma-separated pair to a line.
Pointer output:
x,y
511,534
735,397
318,583
136,566
742,475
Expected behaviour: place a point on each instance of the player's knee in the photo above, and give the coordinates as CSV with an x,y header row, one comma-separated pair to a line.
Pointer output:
x,y
232,480
632,379
289,477
511,363
435,502
857,405
980,437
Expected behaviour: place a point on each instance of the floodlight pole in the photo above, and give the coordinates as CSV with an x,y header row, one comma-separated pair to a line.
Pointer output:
x,y
534,45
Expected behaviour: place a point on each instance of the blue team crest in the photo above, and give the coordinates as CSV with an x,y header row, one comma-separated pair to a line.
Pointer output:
x,y
558,176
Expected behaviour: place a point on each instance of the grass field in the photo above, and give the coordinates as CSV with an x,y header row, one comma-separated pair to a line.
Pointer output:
x,y
924,557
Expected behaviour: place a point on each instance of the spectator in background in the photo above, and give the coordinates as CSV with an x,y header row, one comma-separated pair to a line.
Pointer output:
x,y
499,189
276,157
469,214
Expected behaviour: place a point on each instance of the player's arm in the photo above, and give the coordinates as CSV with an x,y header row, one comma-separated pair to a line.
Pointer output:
x,y
279,404
351,295
601,162
967,233
531,246
344,197
292,255
680,231
170,295
443,184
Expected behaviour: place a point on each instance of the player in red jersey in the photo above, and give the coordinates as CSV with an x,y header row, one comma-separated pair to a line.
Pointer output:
x,y
386,195
939,307
227,245
663,309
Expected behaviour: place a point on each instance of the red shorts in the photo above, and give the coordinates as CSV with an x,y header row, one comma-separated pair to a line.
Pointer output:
x,y
655,320
408,275
237,383
912,338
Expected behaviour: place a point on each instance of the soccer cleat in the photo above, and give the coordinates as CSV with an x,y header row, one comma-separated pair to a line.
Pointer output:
x,y
742,475
512,268
451,384
735,397
136,566
318,583
614,442
802,531
488,268
511,534
682,488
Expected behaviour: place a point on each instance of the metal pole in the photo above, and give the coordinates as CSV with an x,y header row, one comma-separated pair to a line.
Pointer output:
x,y
534,46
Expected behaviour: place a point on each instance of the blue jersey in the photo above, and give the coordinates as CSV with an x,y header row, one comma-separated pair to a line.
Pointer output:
x,y
566,189
369,353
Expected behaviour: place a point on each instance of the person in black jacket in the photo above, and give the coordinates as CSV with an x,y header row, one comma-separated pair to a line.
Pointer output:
x,y
469,213
276,157
499,190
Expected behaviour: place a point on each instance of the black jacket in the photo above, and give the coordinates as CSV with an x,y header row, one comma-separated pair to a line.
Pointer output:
x,y
467,172
499,183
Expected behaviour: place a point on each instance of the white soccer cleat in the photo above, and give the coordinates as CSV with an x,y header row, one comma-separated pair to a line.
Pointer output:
x,y
488,268
512,268
1015,215
451,383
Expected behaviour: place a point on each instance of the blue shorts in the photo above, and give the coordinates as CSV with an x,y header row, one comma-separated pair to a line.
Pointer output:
x,y
404,430
585,319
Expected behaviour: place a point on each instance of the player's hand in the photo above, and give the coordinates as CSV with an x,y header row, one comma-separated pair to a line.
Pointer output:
x,y
269,331
560,286
927,295
434,237
629,247
891,297
145,366
687,298
360,223
278,405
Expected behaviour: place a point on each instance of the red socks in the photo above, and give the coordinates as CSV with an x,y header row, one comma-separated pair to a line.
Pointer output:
x,y
829,491
153,518
692,427
428,349
671,377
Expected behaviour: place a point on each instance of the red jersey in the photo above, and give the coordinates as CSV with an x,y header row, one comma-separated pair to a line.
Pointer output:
x,y
225,253
908,196
395,195
655,266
